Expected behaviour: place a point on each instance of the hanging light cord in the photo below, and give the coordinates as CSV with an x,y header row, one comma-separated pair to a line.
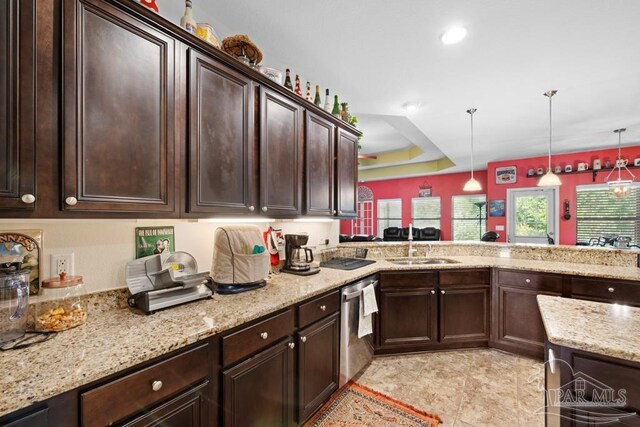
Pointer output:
x,y
550,95
471,111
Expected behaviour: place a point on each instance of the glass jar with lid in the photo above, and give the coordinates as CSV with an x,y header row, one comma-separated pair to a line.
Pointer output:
x,y
61,305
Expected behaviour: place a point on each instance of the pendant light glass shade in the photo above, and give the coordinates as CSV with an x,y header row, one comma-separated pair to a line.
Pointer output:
x,y
620,188
472,184
550,179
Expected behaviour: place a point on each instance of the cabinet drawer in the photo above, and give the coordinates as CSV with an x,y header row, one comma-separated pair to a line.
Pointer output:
x,y
464,277
606,290
129,395
539,281
400,280
248,340
318,308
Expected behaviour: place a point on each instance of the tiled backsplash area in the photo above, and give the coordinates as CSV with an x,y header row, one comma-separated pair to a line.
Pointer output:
x,y
102,248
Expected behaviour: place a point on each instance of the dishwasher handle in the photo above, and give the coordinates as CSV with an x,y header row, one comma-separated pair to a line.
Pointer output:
x,y
351,295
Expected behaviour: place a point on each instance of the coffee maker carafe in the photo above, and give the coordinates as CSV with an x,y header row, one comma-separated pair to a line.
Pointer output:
x,y
298,258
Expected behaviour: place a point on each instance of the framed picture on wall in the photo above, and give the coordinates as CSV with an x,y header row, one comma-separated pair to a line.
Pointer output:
x,y
496,207
506,175
424,191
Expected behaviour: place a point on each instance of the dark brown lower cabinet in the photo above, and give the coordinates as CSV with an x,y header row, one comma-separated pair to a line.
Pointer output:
x,y
516,324
463,313
260,390
318,364
186,410
407,317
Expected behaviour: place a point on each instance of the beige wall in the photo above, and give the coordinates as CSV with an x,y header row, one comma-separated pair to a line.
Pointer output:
x,y
102,248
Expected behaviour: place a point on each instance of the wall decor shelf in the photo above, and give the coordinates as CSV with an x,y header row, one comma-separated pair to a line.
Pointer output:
x,y
593,172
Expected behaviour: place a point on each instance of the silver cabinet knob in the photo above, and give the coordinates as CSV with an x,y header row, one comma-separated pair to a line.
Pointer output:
x,y
303,339
264,209
442,291
527,280
335,211
28,198
433,292
264,335
292,345
71,201
340,212
611,290
323,307
156,385
252,208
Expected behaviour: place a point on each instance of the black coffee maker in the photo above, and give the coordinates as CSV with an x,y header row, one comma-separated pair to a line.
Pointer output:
x,y
298,258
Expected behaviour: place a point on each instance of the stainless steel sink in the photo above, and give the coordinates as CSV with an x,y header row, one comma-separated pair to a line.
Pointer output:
x,y
424,261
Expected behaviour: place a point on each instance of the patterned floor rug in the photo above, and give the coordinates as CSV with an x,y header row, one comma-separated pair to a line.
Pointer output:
x,y
357,405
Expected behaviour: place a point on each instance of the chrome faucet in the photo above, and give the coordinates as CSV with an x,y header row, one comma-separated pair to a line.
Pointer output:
x,y
411,249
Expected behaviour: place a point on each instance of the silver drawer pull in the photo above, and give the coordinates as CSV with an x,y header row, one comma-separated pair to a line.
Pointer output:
x,y
264,335
264,209
611,290
71,201
292,345
527,280
156,385
433,292
303,339
28,198
252,208
323,307
442,292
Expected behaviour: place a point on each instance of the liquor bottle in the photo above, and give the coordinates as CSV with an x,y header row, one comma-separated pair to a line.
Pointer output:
x,y
317,100
327,102
287,80
298,89
187,22
336,107
309,98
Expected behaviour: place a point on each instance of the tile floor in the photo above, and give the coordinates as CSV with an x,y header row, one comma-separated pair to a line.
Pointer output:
x,y
483,387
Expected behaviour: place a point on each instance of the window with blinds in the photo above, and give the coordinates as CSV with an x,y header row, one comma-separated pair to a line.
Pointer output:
x,y
389,214
425,212
468,217
599,213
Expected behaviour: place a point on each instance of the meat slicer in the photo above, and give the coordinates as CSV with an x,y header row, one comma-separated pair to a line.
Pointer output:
x,y
165,280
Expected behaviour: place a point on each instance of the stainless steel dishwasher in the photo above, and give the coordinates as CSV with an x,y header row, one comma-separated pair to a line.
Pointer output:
x,y
355,353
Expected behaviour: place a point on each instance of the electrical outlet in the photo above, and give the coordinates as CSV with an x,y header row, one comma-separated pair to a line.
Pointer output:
x,y
62,263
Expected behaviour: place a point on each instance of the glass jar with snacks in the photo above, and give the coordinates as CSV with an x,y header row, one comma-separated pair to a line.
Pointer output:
x,y
207,33
61,306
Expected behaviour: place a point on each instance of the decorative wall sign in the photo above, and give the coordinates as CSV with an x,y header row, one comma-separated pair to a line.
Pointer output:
x,y
496,207
24,246
425,190
506,175
154,240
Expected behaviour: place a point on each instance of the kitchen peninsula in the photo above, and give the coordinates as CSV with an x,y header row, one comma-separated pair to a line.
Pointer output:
x,y
118,341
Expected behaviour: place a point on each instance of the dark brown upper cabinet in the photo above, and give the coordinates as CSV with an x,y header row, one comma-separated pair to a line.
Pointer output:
x,y
319,165
119,112
221,138
280,155
347,174
17,104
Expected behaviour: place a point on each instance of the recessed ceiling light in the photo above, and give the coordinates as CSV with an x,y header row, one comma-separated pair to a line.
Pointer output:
x,y
411,107
454,35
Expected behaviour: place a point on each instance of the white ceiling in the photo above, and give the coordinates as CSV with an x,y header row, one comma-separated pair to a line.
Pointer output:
x,y
377,55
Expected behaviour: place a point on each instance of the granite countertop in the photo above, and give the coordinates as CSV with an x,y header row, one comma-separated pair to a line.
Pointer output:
x,y
607,329
116,337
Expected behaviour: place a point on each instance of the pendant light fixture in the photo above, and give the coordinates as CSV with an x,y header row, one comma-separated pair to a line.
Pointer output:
x,y
549,179
472,184
620,187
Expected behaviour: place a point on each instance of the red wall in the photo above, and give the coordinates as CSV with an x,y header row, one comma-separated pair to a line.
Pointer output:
x,y
567,189
444,186
447,185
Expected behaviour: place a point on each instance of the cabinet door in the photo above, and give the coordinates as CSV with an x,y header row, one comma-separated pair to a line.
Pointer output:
x,y
189,409
407,318
319,165
221,138
347,174
318,365
259,391
464,313
118,105
17,104
519,326
280,155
